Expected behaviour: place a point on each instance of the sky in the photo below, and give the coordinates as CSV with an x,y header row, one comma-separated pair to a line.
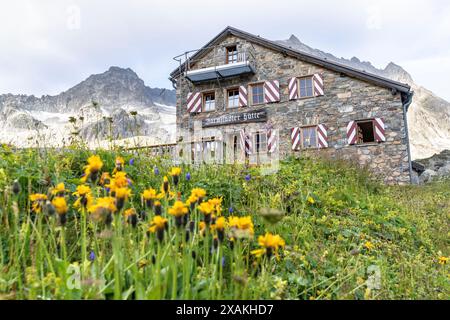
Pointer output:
x,y
47,47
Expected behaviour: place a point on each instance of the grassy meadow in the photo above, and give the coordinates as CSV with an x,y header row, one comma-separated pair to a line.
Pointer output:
x,y
77,224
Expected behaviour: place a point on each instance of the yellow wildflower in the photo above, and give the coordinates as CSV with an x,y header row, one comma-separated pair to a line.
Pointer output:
x,y
443,260
175,171
178,209
60,205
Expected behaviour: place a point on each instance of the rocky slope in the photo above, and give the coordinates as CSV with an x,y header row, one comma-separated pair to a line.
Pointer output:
x,y
115,104
428,116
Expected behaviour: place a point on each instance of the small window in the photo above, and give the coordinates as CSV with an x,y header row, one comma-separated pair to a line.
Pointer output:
x,y
306,89
233,98
365,132
209,102
257,94
232,54
309,137
260,142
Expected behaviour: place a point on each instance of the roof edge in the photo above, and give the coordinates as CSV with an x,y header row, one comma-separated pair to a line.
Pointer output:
x,y
337,67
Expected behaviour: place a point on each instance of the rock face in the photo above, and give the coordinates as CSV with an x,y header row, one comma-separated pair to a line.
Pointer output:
x,y
437,167
98,107
428,116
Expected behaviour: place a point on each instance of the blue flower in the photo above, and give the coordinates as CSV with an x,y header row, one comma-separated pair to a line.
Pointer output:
x,y
156,171
230,210
131,162
248,177
188,176
223,261
92,256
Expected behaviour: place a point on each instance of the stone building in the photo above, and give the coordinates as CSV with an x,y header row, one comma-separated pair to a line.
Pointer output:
x,y
255,99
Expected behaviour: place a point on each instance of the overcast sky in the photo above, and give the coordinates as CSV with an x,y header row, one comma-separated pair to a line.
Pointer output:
x,y
48,46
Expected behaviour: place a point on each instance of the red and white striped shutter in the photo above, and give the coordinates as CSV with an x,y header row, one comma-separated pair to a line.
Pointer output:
x,y
295,138
246,143
293,89
243,96
271,91
318,85
271,140
351,132
194,102
322,136
379,130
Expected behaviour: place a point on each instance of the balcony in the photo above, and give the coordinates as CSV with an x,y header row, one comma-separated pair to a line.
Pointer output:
x,y
219,69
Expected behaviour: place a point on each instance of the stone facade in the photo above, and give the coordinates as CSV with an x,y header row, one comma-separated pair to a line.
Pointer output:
x,y
345,99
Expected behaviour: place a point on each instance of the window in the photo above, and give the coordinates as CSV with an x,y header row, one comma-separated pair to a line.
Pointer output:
x,y
365,132
309,137
260,142
209,148
232,54
209,102
233,98
257,94
306,89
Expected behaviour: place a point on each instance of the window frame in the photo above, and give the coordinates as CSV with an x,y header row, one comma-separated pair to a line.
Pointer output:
x,y
372,121
302,147
251,86
236,89
227,54
204,94
259,133
299,88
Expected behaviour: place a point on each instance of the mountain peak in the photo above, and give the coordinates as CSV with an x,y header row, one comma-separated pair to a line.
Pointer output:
x,y
294,39
121,71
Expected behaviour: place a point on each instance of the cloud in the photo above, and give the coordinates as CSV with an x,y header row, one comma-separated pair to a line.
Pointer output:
x,y
49,46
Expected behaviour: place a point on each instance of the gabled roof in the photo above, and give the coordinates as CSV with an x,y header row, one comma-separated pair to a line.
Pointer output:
x,y
331,65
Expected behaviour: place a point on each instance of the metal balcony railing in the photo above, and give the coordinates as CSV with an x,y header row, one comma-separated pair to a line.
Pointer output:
x,y
218,66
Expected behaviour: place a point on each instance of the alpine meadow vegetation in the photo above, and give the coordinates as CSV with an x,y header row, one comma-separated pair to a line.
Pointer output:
x,y
79,224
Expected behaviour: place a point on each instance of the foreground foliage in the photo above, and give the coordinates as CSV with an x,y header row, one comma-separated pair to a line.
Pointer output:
x,y
314,230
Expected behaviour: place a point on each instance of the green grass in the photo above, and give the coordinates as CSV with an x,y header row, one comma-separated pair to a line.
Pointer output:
x,y
347,236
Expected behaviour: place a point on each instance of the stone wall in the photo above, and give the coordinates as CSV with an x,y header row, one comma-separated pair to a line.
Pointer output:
x,y
345,99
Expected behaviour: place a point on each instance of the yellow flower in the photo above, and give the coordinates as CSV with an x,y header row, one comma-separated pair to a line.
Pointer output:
x,y
443,260
158,224
221,223
84,195
123,193
129,212
270,244
175,171
369,245
199,193
149,194
206,208
178,209
95,163
105,178
245,223
241,227
311,200
258,252
37,200
103,204
216,203
59,189
119,164
233,221
82,190
120,161
120,180
38,197
60,205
